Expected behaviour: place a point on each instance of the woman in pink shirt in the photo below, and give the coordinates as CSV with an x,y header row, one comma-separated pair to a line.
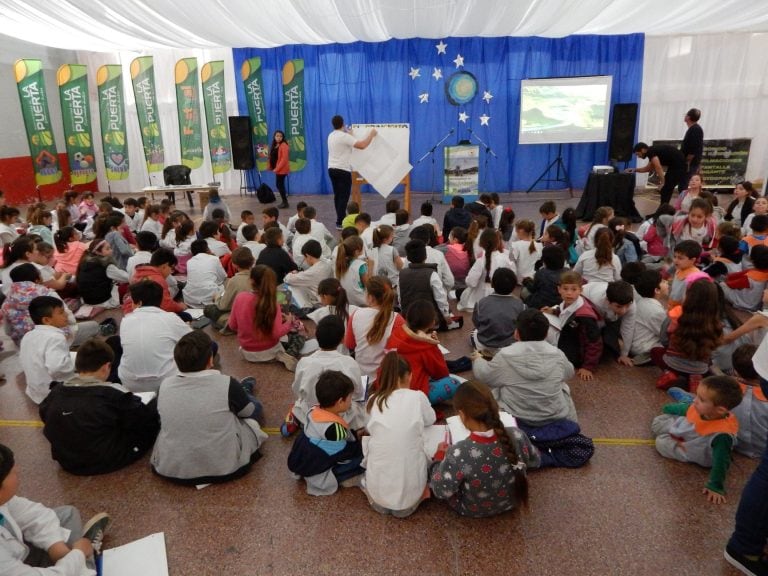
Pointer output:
x,y
259,321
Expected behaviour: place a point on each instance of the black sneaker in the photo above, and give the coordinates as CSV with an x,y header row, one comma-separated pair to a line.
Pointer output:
x,y
95,529
744,565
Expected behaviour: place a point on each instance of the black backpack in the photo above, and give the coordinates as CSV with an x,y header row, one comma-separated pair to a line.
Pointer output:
x,y
561,444
264,194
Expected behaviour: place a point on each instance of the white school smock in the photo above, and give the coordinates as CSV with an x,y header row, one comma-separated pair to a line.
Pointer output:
x,y
205,280
395,459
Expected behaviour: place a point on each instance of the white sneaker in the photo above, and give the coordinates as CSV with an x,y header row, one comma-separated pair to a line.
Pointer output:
x,y
288,361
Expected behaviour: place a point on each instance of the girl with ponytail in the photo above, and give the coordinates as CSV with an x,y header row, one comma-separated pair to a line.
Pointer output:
x,y
259,322
525,251
368,329
396,464
352,270
493,482
600,264
386,260
490,258
69,249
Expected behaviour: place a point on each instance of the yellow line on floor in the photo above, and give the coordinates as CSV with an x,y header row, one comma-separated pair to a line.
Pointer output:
x,y
22,423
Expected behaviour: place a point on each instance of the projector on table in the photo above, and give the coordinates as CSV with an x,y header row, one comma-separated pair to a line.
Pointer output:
x,y
603,170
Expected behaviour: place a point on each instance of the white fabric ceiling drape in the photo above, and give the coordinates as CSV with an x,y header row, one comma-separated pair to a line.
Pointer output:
x,y
109,25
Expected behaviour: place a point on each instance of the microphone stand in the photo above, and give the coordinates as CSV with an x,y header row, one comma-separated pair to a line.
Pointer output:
x,y
488,151
431,152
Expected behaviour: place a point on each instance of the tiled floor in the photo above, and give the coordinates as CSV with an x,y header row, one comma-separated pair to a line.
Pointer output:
x,y
628,512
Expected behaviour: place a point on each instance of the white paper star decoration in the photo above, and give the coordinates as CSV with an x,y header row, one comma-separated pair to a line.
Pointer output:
x,y
484,120
437,73
487,96
424,98
459,61
463,116
441,47
414,73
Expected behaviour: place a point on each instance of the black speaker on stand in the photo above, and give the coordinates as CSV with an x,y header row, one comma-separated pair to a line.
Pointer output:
x,y
242,149
622,133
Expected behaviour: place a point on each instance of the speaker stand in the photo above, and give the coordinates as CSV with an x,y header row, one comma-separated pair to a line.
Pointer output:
x,y
243,183
557,162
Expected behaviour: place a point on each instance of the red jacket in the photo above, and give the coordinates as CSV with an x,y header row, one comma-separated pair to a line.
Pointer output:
x,y
282,166
581,339
147,272
422,353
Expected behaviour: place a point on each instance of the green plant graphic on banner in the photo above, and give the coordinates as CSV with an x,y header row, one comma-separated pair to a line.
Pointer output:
x,y
37,120
188,108
109,86
254,95
143,77
76,114
293,112
214,97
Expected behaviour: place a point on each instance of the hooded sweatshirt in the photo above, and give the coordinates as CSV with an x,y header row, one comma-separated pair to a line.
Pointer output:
x,y
528,381
422,353
148,272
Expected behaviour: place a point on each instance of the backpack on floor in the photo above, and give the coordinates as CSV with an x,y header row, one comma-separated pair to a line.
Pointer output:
x,y
561,444
264,194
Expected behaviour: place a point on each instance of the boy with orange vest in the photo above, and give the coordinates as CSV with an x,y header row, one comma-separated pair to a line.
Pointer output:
x,y
703,432
752,413
744,290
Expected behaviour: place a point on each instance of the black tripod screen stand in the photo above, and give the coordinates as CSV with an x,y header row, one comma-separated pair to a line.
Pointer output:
x,y
559,165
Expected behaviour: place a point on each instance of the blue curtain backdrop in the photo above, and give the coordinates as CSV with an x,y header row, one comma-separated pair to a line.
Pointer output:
x,y
370,83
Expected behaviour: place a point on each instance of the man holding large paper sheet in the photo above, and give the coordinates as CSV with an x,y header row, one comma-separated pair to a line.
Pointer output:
x,y
340,145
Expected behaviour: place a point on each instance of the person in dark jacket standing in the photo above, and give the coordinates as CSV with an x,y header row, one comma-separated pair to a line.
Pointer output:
x,y
658,157
95,426
693,145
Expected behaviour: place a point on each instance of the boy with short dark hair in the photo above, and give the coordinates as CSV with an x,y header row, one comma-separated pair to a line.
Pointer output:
x,y
159,269
250,234
402,231
744,290
651,289
549,216
243,261
44,352
319,231
246,217
329,334
34,538
420,281
273,254
456,216
390,208
205,276
703,432
426,217
495,316
272,214
146,243
304,283
615,303
578,321
209,231
131,211
353,209
327,453
209,432
527,378
299,214
95,426
686,253
759,236
302,236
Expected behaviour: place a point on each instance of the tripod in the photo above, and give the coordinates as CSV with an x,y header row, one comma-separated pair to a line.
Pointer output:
x,y
560,165
431,152
485,162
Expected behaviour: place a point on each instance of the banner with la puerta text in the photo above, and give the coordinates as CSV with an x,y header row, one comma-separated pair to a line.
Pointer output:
x,y
109,87
254,96
143,78
293,113
214,98
37,120
76,115
188,108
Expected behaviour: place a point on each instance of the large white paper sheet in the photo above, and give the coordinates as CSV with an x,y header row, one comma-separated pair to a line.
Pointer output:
x,y
145,557
381,165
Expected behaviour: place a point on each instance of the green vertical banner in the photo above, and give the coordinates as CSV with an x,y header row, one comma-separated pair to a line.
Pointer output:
x,y
293,112
143,77
76,114
37,120
188,108
214,98
254,95
109,86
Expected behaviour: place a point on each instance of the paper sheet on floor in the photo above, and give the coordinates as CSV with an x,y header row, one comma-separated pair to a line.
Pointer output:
x,y
433,435
145,556
459,432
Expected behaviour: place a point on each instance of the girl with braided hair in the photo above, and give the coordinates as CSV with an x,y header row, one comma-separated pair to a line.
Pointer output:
x,y
485,474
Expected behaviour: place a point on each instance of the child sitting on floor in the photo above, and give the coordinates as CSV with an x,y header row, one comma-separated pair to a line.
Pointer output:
x,y
703,432
479,277
615,303
242,260
495,316
274,256
417,344
395,460
95,426
525,251
209,231
147,244
752,413
246,218
304,283
543,290
426,217
650,317
353,209
744,290
485,474
209,431
527,378
158,270
420,281
352,270
34,538
251,235
327,452
205,276
44,352
98,276
599,264
686,253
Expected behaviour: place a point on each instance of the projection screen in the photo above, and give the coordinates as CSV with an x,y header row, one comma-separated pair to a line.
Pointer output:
x,y
565,110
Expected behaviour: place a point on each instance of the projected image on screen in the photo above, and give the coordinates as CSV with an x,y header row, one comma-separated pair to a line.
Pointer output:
x,y
564,110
